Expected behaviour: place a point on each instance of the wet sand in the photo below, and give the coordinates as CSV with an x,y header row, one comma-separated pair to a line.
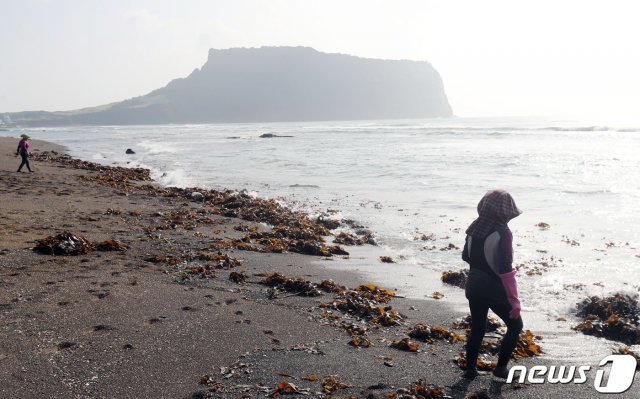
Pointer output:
x,y
115,325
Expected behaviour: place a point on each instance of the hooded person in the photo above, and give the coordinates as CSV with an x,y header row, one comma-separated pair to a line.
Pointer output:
x,y
488,250
23,151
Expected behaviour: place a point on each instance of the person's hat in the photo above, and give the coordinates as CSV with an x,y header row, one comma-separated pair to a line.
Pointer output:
x,y
25,136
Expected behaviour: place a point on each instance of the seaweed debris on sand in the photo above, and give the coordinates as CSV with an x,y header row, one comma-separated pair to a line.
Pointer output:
x,y
367,302
288,230
615,317
457,278
429,334
70,244
418,390
527,346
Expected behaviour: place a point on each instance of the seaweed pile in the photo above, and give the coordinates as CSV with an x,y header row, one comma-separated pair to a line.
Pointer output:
x,y
616,318
238,277
297,285
429,334
69,244
332,383
289,230
352,239
457,278
111,176
332,286
526,347
369,303
110,245
483,363
405,344
417,390
281,239
207,270
187,219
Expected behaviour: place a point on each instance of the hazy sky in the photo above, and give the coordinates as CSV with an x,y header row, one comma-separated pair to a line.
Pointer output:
x,y
496,58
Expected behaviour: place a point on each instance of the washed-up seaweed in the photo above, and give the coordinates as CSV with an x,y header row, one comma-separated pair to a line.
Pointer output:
x,y
405,344
480,394
457,278
238,277
186,219
437,295
289,230
328,223
464,323
355,328
110,245
287,388
360,342
70,244
211,383
367,302
65,243
331,286
538,266
207,271
418,390
214,260
168,260
482,363
424,237
527,346
429,334
615,318
451,246
296,285
139,174
332,383
220,260
345,238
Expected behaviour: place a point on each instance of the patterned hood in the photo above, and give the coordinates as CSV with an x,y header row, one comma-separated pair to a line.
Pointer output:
x,y
496,208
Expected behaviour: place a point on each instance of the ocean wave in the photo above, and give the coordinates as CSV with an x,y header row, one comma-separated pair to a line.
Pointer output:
x,y
588,192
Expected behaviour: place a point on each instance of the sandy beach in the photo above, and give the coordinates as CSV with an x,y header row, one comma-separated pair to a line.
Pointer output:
x,y
163,319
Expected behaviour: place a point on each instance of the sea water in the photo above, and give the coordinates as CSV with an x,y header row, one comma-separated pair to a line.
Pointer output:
x,y
405,179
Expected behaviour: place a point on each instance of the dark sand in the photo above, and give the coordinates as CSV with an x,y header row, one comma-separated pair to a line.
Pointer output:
x,y
111,325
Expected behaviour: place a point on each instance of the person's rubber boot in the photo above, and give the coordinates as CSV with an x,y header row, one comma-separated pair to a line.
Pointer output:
x,y
501,372
470,373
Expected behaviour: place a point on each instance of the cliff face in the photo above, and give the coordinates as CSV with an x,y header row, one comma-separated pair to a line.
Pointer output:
x,y
275,84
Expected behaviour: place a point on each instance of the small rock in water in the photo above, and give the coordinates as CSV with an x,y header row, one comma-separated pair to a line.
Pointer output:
x,y
129,151
543,226
196,195
271,135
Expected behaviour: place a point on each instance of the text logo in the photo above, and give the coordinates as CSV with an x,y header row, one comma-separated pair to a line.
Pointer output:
x,y
623,368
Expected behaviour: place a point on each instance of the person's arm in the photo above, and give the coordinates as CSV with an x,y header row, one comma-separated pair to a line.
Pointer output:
x,y
465,251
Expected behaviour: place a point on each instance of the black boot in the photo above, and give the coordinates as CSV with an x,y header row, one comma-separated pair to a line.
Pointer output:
x,y
501,372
